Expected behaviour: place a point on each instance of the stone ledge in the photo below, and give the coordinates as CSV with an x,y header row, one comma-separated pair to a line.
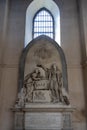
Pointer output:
x,y
45,109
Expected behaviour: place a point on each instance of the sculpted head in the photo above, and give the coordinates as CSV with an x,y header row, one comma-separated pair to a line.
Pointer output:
x,y
54,67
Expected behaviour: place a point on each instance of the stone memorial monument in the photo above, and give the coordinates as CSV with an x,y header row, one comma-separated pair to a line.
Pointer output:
x,y
43,100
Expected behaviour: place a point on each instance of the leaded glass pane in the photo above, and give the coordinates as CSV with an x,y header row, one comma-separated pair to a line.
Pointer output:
x,y
43,24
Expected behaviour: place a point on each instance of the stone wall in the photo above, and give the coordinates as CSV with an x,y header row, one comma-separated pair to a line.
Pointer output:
x,y
12,31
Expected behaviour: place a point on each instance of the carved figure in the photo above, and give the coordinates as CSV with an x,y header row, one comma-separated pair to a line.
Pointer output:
x,y
56,83
42,78
35,75
54,75
47,70
30,82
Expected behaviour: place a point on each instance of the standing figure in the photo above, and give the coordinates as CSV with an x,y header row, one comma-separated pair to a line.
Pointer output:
x,y
54,76
56,84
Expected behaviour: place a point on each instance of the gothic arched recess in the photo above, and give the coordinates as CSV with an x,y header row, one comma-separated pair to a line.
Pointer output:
x,y
42,40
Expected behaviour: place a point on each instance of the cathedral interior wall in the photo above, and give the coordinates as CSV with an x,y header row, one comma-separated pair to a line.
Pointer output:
x,y
12,35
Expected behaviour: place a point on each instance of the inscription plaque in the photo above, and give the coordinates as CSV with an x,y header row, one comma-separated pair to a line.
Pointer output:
x,y
40,121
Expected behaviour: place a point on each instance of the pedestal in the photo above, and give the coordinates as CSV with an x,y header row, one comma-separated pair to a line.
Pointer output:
x,y
43,118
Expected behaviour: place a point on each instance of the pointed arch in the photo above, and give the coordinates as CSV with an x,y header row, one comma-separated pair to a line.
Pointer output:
x,y
23,59
43,23
33,8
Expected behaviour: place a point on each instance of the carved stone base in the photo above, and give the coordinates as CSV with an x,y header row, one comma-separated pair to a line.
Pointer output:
x,y
67,121
19,120
42,119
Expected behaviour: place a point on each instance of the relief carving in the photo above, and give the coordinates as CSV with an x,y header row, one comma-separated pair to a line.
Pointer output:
x,y
43,52
43,88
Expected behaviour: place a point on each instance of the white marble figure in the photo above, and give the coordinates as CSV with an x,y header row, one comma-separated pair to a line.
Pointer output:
x,y
54,77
